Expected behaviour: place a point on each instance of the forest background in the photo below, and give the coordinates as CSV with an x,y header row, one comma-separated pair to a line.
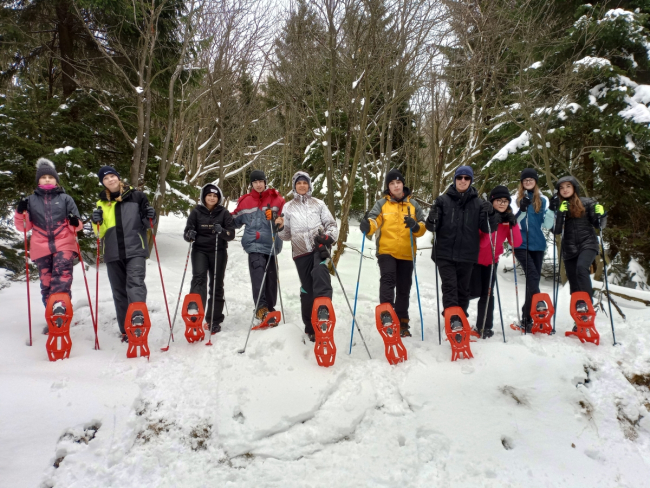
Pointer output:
x,y
175,94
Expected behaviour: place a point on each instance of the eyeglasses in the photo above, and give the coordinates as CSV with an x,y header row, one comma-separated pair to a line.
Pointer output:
x,y
463,177
528,180
502,201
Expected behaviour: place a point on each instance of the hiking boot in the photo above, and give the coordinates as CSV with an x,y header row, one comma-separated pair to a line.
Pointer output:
x,y
575,328
456,323
387,321
312,337
487,333
527,326
215,329
541,307
46,330
582,307
404,328
261,313
193,308
137,319
58,308
125,338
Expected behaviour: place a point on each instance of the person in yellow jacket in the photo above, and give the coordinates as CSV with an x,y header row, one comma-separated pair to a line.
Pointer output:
x,y
392,219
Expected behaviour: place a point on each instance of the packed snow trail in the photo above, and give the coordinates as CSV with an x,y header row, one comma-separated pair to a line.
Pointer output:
x,y
536,411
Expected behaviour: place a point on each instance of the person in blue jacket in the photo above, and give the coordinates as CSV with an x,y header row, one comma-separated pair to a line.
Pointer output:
x,y
533,214
255,210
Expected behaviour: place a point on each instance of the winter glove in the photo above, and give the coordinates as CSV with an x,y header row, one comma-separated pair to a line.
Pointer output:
x,y
554,204
488,208
151,213
523,205
98,216
323,239
600,211
22,205
508,218
364,226
190,235
73,220
323,251
434,214
269,214
411,223
564,207
217,229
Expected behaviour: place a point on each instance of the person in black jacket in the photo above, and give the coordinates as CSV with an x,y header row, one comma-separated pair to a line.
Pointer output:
x,y
579,216
210,226
456,217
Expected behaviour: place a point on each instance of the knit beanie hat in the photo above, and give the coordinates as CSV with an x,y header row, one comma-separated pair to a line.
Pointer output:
x,y
464,171
45,167
106,170
257,175
302,178
210,188
392,175
499,192
529,173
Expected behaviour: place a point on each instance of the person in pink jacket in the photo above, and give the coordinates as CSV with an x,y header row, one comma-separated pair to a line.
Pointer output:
x,y
500,199
54,220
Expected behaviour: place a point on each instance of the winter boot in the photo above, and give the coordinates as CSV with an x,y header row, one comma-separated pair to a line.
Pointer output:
x,y
262,312
541,307
137,318
456,324
193,308
216,328
58,308
404,328
125,338
487,333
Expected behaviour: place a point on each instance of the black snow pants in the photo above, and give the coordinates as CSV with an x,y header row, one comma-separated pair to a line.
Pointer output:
x,y
127,285
202,268
256,266
315,281
577,271
480,286
396,275
455,277
533,274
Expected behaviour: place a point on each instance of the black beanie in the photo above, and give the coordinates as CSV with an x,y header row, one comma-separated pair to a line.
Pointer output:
x,y
45,167
257,175
529,173
499,192
210,188
106,170
393,175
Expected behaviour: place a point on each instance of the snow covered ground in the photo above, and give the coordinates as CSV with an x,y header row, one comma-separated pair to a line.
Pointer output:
x,y
535,411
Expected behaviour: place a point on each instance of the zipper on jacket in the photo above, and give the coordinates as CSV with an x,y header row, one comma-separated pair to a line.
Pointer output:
x,y
141,241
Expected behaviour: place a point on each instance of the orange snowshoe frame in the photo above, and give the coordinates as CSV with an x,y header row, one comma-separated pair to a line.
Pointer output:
x,y
390,333
193,323
137,334
324,348
58,344
458,339
272,319
542,320
585,321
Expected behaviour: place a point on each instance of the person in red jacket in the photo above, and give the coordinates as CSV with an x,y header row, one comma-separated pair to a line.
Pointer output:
x,y
54,220
487,266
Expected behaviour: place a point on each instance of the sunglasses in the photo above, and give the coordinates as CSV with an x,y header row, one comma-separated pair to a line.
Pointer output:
x,y
462,177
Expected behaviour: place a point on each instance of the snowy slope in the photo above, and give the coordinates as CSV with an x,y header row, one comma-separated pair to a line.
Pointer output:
x,y
536,411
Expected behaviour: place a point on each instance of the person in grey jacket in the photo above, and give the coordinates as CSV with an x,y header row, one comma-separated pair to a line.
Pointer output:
x,y
124,215
311,228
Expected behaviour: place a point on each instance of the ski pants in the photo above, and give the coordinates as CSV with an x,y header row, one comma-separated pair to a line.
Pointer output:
x,y
480,286
55,273
396,275
577,270
533,273
315,281
202,268
127,285
257,263
455,277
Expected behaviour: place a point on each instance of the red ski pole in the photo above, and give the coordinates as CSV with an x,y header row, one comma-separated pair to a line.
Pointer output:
x,y
97,289
153,234
90,303
29,303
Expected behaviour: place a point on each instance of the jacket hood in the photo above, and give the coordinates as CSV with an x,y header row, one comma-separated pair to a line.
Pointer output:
x,y
293,183
407,195
454,193
570,179
202,197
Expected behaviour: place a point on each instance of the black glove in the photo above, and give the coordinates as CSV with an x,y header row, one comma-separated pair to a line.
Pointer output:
x,y
523,205
323,239
364,226
323,251
411,223
487,207
217,229
190,235
151,213
74,220
98,216
508,218
22,205
434,214
554,203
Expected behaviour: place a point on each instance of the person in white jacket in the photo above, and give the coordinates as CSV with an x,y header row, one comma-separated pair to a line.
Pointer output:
x,y
311,228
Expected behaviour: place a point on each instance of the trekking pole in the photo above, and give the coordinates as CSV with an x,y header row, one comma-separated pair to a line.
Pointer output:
x,y
417,286
496,282
354,319
514,269
527,246
214,288
487,304
609,301
259,296
97,281
435,265
554,250
275,258
162,282
356,293
180,292
29,301
559,271
90,304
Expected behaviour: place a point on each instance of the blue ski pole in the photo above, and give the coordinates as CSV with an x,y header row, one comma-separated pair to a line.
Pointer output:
x,y
417,286
356,293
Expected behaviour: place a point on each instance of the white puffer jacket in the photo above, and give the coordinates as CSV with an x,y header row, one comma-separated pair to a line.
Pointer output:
x,y
304,216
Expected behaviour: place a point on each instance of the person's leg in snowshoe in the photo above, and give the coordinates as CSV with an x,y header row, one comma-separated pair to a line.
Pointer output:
x,y
256,267
216,291
482,273
403,294
304,266
44,266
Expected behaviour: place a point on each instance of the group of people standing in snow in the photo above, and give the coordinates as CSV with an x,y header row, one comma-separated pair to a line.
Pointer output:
x,y
469,234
